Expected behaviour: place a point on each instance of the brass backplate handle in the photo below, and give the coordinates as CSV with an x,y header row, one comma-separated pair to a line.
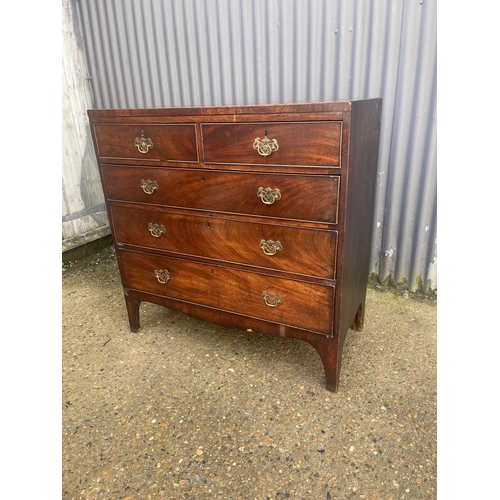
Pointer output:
x,y
272,299
143,144
156,230
162,275
269,195
265,146
270,247
149,187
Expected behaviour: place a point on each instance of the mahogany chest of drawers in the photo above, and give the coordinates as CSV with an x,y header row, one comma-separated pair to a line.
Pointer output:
x,y
250,217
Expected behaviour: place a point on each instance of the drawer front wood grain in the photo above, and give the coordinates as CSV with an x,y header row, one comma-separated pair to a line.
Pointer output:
x,y
288,302
166,142
304,251
310,144
309,198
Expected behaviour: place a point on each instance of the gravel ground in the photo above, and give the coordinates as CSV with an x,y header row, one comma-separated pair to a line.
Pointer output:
x,y
188,410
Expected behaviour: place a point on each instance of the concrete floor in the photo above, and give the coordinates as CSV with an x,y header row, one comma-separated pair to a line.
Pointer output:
x,y
188,410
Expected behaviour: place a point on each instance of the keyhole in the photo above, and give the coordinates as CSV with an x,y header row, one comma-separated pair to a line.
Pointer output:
x,y
208,225
265,133
202,179
212,272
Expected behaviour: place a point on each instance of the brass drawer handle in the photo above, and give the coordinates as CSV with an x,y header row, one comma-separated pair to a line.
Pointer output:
x,y
269,195
149,187
265,146
156,230
162,275
143,144
270,247
272,299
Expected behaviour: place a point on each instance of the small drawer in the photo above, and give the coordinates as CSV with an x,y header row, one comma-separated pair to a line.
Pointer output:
x,y
288,302
297,250
146,142
305,197
309,144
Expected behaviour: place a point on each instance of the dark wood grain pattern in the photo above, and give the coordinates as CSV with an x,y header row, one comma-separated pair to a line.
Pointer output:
x,y
232,290
308,144
359,196
311,198
170,142
191,217
332,110
306,251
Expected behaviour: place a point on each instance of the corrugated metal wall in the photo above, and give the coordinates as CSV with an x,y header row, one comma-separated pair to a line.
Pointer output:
x,y
156,53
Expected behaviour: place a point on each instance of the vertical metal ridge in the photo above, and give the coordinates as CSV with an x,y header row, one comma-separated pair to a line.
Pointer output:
x,y
322,55
185,57
243,58
181,60
247,54
124,54
201,60
119,47
425,141
235,51
163,73
223,34
337,67
261,55
200,101
276,48
107,48
228,55
152,56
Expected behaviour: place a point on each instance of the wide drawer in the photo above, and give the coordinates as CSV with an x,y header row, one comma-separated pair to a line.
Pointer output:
x,y
307,197
298,250
309,144
288,302
146,142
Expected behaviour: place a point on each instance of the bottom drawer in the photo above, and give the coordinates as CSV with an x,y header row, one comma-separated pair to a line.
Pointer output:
x,y
289,302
